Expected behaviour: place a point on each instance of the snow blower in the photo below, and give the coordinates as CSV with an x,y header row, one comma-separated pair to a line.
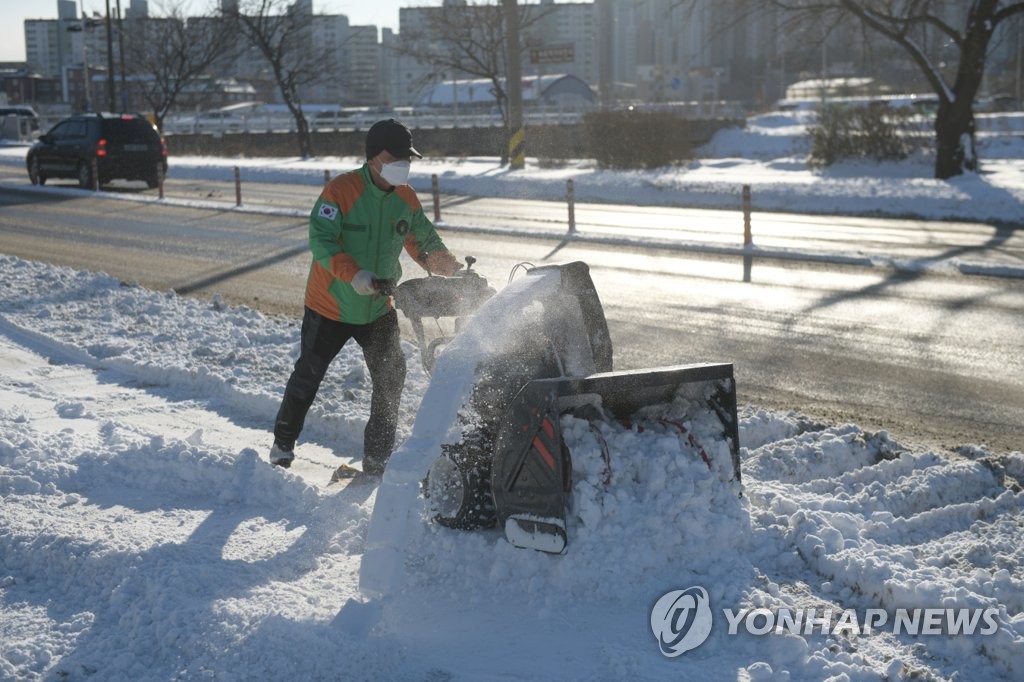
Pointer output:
x,y
533,353
486,448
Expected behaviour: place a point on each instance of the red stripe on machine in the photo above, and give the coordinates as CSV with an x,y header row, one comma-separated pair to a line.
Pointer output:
x,y
545,455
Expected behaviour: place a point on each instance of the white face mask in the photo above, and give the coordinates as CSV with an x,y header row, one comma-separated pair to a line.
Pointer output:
x,y
395,173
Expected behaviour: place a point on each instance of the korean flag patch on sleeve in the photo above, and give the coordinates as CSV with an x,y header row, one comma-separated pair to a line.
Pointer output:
x,y
328,211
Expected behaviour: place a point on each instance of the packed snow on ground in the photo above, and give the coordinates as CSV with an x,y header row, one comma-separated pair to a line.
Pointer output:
x,y
144,536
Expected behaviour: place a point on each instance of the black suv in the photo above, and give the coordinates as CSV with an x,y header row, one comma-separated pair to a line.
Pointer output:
x,y
118,146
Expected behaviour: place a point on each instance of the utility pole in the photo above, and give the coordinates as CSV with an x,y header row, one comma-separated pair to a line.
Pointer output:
x,y
110,62
1020,53
60,57
120,49
516,154
83,27
85,67
605,52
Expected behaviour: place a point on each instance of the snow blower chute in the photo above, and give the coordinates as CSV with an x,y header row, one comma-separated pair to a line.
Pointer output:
x,y
533,353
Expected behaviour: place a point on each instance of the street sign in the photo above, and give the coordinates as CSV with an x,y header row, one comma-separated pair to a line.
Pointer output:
x,y
553,54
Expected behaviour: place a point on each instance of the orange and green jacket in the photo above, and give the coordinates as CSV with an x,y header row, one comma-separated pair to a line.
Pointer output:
x,y
354,226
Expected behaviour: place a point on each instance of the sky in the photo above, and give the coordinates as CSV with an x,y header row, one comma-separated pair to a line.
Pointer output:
x,y
383,13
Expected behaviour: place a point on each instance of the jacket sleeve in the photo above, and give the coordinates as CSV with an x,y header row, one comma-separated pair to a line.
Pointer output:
x,y
325,240
426,247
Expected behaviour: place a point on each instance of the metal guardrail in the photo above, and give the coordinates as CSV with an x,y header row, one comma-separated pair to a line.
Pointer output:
x,y
277,122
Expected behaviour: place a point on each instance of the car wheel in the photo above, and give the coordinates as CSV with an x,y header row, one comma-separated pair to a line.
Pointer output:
x,y
34,174
84,175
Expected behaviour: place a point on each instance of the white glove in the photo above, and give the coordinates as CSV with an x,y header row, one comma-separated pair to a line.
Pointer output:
x,y
363,283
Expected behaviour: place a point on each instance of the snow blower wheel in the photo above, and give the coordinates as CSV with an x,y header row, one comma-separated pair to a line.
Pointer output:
x,y
459,485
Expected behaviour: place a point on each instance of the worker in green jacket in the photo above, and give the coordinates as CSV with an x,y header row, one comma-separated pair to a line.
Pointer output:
x,y
357,231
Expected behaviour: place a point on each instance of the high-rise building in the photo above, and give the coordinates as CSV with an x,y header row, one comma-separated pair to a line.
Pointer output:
x,y
651,51
58,48
139,9
563,38
48,43
362,84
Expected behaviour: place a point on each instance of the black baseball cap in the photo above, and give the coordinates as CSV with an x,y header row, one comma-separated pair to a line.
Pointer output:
x,y
392,136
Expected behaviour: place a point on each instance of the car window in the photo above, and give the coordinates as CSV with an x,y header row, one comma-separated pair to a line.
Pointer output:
x,y
128,130
68,130
76,129
60,130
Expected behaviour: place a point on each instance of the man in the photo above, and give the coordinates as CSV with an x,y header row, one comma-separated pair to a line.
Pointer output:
x,y
357,230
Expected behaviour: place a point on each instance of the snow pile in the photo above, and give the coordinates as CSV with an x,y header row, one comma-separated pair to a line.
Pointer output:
x,y
674,461
775,135
236,355
662,502
888,529
127,554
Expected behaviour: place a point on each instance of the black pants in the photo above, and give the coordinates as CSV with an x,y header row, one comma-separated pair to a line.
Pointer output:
x,y
322,339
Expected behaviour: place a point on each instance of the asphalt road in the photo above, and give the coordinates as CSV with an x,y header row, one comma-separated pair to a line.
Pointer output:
x,y
935,360
911,241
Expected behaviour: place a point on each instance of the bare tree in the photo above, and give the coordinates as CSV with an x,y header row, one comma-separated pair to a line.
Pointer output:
x,y
470,39
169,53
283,35
467,40
909,24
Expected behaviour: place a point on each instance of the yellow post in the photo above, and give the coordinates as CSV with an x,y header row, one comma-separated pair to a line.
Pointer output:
x,y
516,155
516,151
436,192
570,194
748,238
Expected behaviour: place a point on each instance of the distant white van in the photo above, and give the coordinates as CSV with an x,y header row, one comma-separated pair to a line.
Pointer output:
x,y
217,121
233,118
27,120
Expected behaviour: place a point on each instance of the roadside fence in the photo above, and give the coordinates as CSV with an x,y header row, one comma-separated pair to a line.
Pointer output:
x,y
572,230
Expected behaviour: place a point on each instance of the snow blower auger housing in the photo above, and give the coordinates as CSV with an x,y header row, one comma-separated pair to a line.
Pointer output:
x,y
509,465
